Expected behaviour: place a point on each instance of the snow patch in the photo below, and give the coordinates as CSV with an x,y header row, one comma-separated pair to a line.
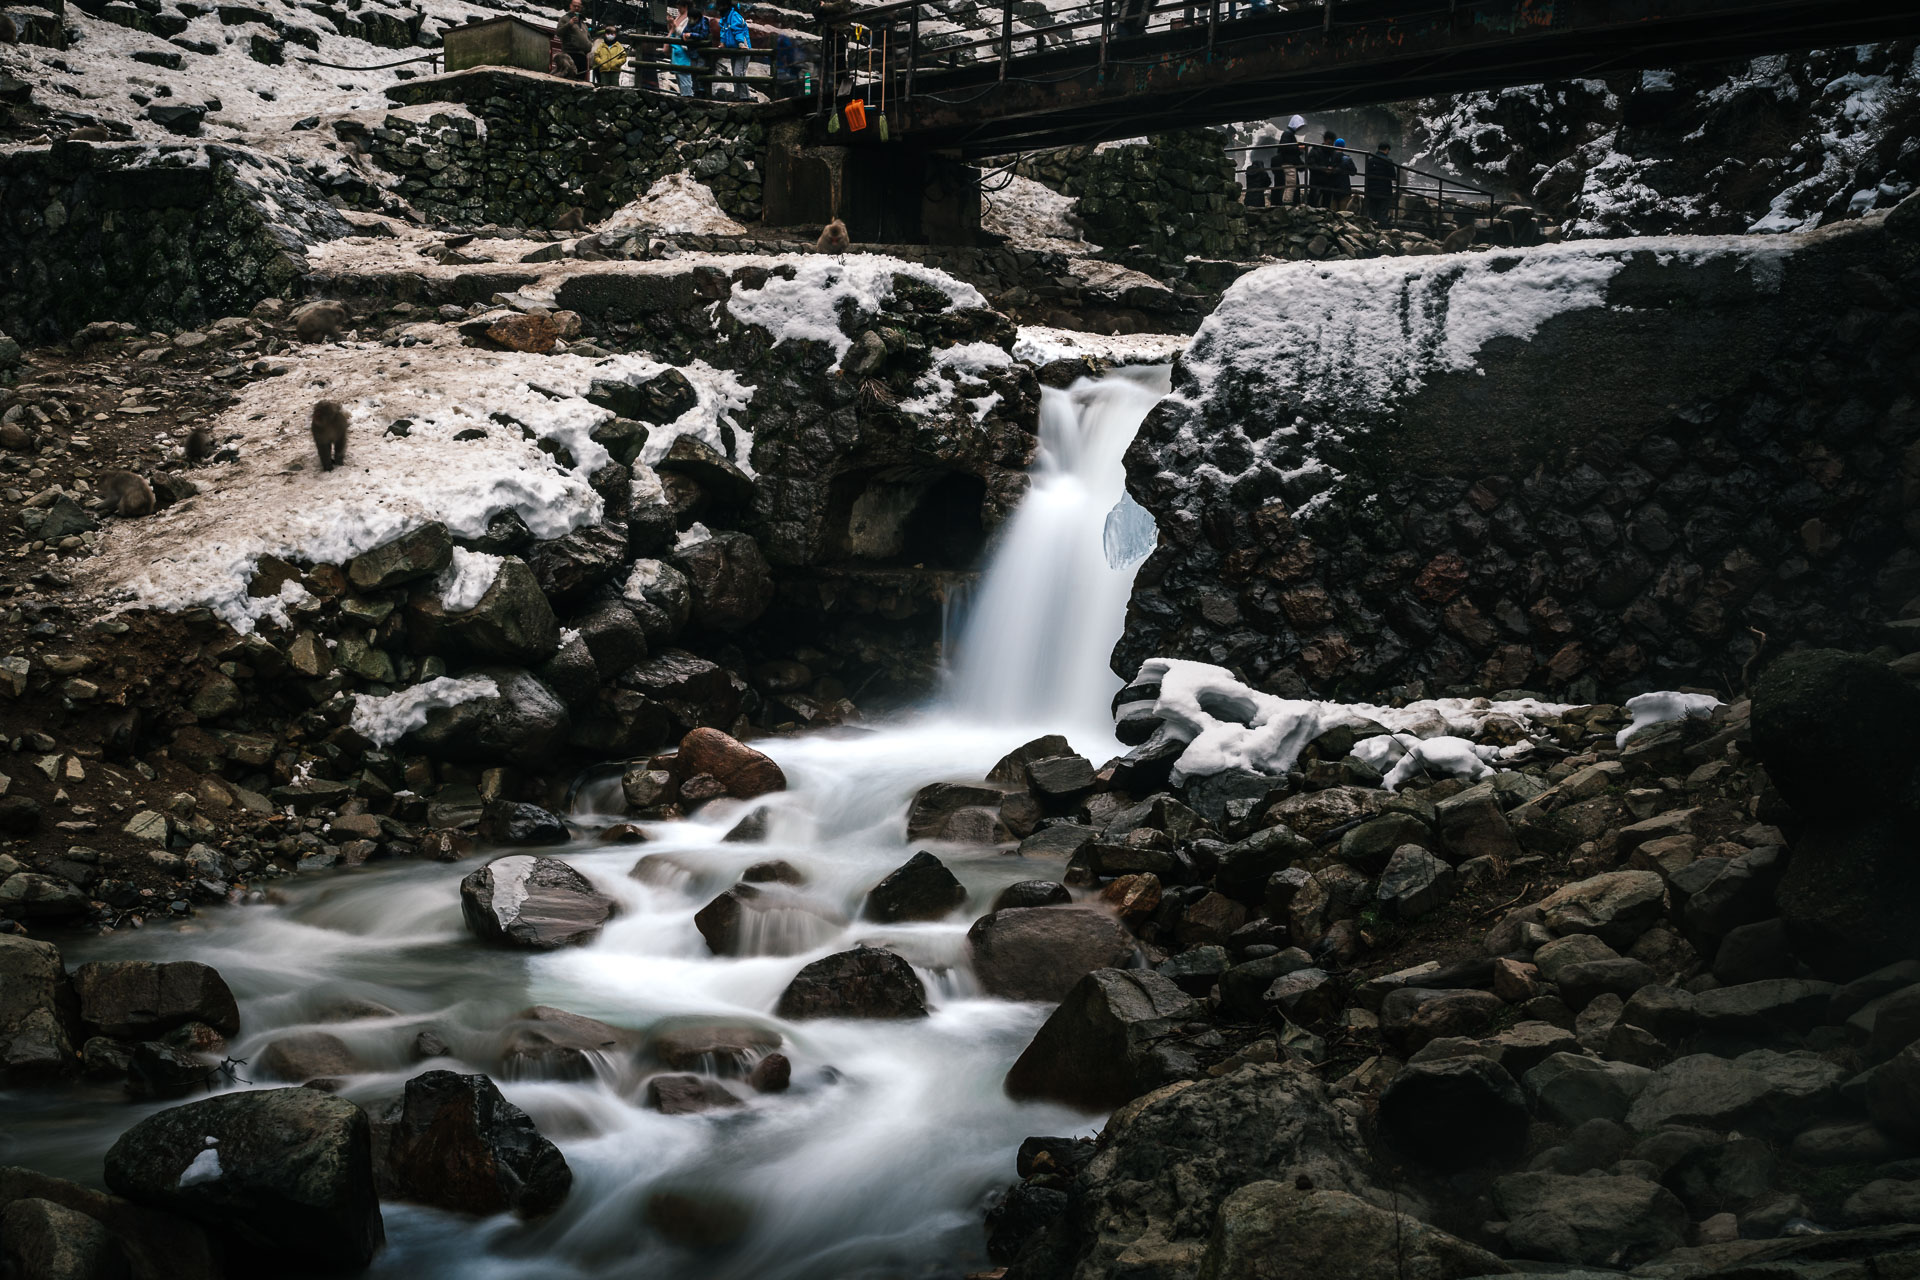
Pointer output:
x,y
463,583
384,721
1037,344
1650,709
677,204
204,1167
809,306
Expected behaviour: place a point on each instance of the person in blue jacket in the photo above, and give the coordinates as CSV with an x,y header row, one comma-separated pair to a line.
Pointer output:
x,y
733,35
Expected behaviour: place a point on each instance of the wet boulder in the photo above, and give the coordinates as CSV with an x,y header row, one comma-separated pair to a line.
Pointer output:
x,y
658,400
768,919
522,723
457,1144
525,901
920,889
1605,1221
1834,731
1112,1039
865,982
285,1175
1279,1231
693,691
729,579
307,1055
1455,1114
1414,884
512,622
719,1048
546,1043
29,895
37,1026
1024,954
1032,893
725,484
146,1244
1247,865
744,772
1615,906
42,1240
935,805
687,1094
568,568
418,553
660,598
514,822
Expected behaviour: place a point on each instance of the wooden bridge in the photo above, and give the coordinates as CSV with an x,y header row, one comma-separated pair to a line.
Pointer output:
x,y
1150,66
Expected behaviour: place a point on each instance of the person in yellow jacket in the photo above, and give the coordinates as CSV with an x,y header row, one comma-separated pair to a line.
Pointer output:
x,y
608,56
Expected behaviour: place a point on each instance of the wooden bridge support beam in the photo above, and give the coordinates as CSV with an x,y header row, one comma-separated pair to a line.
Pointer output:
x,y
891,193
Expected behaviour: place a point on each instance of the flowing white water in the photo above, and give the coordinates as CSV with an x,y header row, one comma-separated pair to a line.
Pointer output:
x,y
878,1161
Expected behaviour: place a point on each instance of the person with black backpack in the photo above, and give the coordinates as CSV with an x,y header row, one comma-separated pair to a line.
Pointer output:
x,y
1342,194
1383,184
1258,182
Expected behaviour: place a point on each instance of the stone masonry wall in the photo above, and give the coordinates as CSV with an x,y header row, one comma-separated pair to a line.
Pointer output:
x,y
1720,459
518,147
162,236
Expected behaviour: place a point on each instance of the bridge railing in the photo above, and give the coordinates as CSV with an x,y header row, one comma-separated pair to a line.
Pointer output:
x,y
881,55
1443,190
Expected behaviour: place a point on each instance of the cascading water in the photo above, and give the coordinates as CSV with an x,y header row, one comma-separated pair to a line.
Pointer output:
x,y
1053,601
877,1161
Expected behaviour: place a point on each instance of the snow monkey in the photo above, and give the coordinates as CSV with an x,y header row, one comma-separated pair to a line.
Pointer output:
x,y
330,433
126,493
199,444
833,238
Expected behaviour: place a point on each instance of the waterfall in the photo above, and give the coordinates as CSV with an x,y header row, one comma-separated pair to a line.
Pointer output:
x,y
1053,599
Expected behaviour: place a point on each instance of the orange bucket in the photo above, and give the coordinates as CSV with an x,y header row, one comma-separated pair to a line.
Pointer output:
x,y
856,115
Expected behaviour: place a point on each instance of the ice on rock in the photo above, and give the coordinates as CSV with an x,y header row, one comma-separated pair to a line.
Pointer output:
x,y
1649,709
1227,725
1130,535
383,721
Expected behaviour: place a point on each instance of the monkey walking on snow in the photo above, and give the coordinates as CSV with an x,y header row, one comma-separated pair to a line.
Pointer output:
x,y
330,433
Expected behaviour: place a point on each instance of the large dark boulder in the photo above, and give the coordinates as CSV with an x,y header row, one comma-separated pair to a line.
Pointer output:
x,y
764,919
1168,1162
1278,1231
524,901
545,1043
286,1175
1834,730
865,982
1039,954
38,1030
141,999
919,889
730,581
155,1246
1114,1037
568,568
1606,1221
1455,1114
523,723
744,772
1847,894
44,1240
518,823
458,1144
418,553
513,622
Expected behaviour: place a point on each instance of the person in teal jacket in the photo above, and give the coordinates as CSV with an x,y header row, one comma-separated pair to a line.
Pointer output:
x,y
733,35
690,25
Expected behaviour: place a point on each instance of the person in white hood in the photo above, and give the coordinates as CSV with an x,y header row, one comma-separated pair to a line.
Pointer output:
x,y
1289,163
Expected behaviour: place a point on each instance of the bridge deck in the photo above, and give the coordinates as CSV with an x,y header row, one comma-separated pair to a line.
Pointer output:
x,y
1318,58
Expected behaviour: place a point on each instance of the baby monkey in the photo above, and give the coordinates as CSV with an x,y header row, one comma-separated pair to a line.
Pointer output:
x,y
126,493
330,433
199,445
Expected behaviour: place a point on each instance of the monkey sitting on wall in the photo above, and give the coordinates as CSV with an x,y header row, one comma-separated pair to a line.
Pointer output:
x,y
833,238
126,493
330,433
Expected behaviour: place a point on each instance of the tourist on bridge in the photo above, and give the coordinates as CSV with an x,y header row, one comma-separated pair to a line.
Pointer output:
x,y
574,44
1344,179
689,26
1383,183
733,35
609,56
1258,181
1327,185
1290,164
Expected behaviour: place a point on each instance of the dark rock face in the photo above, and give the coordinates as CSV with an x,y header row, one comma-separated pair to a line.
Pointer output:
x,y
568,568
418,553
457,1144
513,622
1277,1231
38,1028
920,889
1827,726
1628,546
512,822
732,585
1455,1114
524,723
1027,954
285,1174
524,901
863,983
1168,1164
1111,1040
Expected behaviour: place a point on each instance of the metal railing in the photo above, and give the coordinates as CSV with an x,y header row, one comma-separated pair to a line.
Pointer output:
x,y
880,54
1441,189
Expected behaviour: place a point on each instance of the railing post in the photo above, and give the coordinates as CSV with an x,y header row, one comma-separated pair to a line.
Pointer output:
x,y
1213,23
1106,22
913,48
1006,36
